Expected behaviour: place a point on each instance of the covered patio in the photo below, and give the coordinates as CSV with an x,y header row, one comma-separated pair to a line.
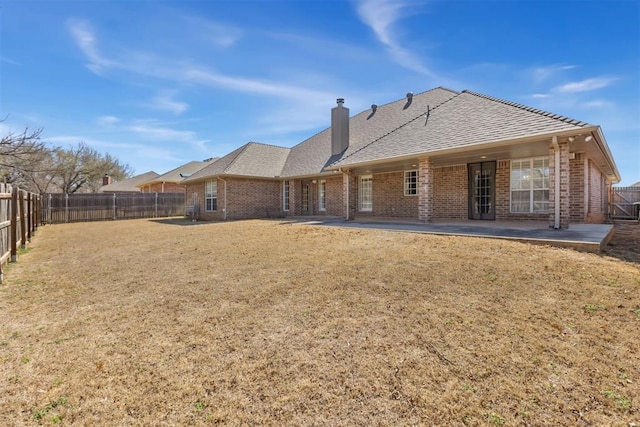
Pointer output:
x,y
584,237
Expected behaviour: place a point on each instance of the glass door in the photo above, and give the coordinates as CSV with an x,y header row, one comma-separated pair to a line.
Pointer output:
x,y
482,190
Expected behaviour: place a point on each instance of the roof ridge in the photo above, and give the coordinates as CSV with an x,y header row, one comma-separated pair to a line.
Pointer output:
x,y
544,113
240,150
267,145
401,126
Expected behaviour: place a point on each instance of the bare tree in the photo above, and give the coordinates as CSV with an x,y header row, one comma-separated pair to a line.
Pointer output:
x,y
21,155
81,168
26,161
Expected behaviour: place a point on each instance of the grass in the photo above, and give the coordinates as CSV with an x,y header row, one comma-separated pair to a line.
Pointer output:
x,y
145,322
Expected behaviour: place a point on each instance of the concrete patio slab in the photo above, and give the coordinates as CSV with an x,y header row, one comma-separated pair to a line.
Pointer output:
x,y
584,237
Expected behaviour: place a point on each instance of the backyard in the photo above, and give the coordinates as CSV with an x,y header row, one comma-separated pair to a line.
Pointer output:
x,y
171,322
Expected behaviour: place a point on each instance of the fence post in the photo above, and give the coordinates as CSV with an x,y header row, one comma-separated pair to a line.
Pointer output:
x,y
29,213
156,206
66,207
114,205
14,225
23,220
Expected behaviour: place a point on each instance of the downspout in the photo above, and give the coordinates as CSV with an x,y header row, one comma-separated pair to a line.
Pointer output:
x,y
224,209
556,149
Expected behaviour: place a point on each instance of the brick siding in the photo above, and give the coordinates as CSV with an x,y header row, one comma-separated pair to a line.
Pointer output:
x,y
450,190
246,198
389,199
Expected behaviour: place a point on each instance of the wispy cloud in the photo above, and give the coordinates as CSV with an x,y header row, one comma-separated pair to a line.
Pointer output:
x,y
542,74
108,120
585,85
6,60
165,102
214,33
84,37
598,103
540,95
381,15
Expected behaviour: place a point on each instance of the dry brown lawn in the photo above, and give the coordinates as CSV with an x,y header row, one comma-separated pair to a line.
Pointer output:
x,y
145,322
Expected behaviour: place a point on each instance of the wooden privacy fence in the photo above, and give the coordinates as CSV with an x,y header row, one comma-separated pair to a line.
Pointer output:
x,y
622,203
19,219
62,208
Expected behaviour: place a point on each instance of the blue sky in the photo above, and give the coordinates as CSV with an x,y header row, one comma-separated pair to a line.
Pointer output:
x,y
158,84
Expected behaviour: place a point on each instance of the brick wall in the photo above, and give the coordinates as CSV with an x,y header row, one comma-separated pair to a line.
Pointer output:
x,y
334,198
389,199
246,198
450,199
577,170
597,194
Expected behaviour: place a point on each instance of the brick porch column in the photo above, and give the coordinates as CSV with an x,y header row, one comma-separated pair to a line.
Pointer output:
x,y
349,195
425,190
564,197
294,197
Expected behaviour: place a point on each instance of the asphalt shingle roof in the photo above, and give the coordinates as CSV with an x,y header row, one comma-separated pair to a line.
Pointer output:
x,y
310,157
174,174
465,120
434,121
252,159
129,184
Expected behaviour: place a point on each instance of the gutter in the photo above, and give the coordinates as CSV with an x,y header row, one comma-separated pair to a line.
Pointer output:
x,y
556,169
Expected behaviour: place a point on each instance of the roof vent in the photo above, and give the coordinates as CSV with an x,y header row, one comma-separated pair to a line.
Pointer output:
x,y
409,96
374,107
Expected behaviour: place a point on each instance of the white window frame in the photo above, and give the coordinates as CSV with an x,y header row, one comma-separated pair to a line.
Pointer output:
x,y
322,195
211,196
365,193
411,183
285,195
533,185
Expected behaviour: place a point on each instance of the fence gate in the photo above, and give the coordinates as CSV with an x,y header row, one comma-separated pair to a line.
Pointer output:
x,y
622,203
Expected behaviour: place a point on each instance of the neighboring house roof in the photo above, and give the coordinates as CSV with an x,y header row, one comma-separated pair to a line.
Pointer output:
x,y
129,185
637,184
465,120
311,156
252,160
176,175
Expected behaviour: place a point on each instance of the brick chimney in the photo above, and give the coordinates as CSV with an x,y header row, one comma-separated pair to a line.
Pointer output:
x,y
106,179
339,128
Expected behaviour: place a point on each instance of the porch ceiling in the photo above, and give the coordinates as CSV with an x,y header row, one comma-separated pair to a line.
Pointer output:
x,y
457,157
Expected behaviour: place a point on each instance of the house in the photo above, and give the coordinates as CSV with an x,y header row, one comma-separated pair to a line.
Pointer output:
x,y
437,155
170,181
129,185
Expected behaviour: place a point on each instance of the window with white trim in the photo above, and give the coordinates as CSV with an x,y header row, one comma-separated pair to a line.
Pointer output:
x,y
285,195
530,185
211,196
322,195
410,183
365,193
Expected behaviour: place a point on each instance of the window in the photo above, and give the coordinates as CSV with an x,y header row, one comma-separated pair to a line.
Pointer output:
x,y
410,183
211,196
365,193
530,185
285,196
322,195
